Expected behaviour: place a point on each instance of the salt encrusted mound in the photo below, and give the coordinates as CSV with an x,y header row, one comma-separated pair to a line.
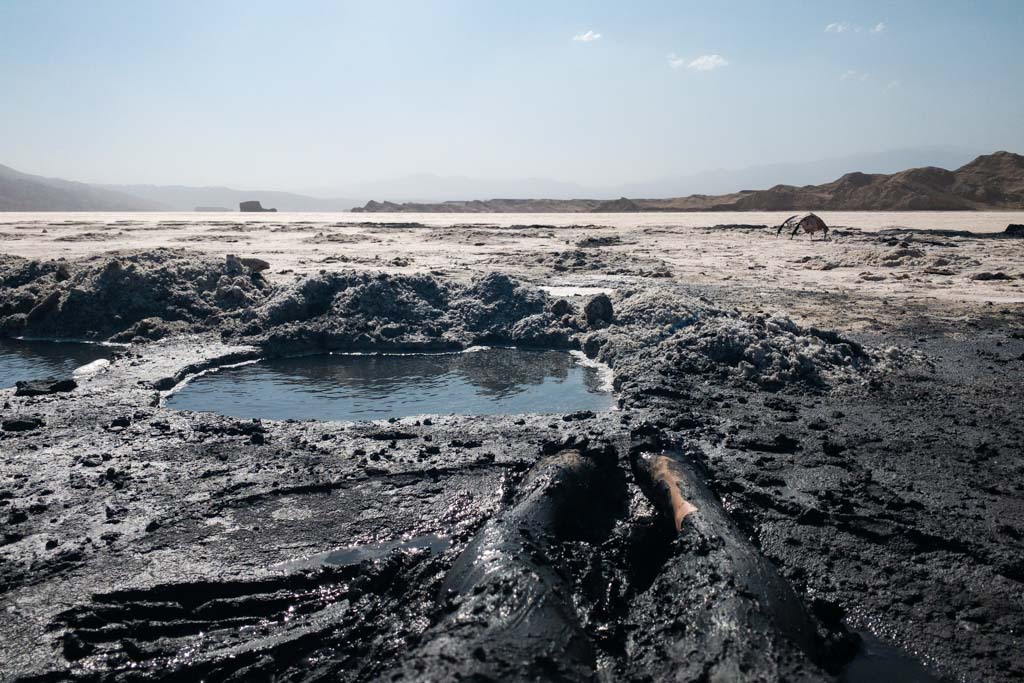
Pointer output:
x,y
122,296
149,295
771,351
685,336
367,310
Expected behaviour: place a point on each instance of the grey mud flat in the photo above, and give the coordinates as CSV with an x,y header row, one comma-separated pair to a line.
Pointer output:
x,y
867,481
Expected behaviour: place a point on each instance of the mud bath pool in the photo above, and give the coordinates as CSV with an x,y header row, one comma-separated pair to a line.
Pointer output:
x,y
489,381
22,359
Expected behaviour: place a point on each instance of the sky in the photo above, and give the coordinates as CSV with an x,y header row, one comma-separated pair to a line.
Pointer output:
x,y
302,94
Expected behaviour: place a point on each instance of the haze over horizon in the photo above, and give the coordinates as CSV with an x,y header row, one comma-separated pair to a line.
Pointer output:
x,y
319,97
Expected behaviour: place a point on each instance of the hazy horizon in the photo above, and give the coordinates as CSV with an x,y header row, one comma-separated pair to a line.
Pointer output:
x,y
319,97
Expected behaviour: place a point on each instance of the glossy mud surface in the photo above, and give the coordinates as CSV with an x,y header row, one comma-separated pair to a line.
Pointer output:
x,y
372,387
24,360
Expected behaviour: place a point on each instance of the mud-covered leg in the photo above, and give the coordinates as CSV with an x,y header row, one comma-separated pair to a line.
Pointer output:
x,y
511,615
718,609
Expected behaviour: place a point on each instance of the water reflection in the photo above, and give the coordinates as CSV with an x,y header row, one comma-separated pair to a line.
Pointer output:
x,y
879,661
22,360
370,387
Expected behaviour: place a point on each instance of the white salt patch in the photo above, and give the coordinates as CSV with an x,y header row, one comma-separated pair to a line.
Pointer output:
x,y
92,368
603,371
576,291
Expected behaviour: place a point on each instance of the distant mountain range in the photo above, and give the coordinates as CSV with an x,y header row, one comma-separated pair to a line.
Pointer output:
x,y
183,198
429,188
993,181
24,192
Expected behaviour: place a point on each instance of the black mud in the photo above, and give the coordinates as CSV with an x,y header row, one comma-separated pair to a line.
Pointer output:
x,y
838,485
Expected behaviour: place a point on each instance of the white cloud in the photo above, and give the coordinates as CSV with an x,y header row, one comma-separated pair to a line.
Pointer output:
x,y
854,75
707,63
586,37
845,27
675,61
892,84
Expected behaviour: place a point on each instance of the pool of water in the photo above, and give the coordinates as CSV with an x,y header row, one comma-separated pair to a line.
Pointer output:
x,y
357,553
878,661
23,359
373,387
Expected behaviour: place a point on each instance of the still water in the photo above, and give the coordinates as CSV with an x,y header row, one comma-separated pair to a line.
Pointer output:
x,y
878,662
22,359
373,387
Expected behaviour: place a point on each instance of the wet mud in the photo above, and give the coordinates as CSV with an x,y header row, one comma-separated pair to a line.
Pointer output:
x,y
766,489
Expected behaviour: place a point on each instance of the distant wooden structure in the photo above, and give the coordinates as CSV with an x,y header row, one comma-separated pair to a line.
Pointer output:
x,y
809,222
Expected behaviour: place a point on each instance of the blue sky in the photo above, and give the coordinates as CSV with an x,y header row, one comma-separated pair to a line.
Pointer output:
x,y
320,94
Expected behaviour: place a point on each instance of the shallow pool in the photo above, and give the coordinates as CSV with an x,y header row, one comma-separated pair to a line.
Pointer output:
x,y
878,661
23,359
372,387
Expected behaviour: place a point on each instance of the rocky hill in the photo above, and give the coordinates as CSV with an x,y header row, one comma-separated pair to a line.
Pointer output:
x,y
990,182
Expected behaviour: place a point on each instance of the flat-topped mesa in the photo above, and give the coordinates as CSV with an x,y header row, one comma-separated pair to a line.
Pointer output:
x,y
254,207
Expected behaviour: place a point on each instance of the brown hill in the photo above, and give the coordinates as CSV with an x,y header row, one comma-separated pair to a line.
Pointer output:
x,y
990,182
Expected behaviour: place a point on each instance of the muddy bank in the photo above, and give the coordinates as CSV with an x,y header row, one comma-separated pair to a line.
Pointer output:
x,y
834,479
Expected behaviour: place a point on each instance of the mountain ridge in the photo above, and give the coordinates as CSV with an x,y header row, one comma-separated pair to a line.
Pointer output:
x,y
989,182
24,192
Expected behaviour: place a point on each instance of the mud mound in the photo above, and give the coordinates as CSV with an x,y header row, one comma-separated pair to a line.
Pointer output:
x,y
903,255
149,295
771,351
606,262
683,335
363,310
122,296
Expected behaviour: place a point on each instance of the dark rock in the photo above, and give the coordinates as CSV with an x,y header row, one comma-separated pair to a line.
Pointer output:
x,y
602,241
598,311
253,207
560,307
256,265
17,516
42,387
45,306
998,275
22,424
1014,230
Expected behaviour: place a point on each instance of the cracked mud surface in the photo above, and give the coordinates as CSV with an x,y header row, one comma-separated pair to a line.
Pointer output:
x,y
853,463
